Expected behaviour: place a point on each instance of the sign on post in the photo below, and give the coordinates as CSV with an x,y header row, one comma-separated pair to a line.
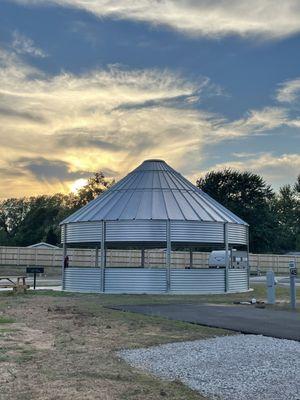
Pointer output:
x,y
293,275
34,271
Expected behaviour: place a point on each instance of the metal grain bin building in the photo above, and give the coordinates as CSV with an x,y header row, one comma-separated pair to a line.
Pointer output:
x,y
154,206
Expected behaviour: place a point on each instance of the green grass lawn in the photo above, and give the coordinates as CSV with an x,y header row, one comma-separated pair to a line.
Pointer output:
x,y
259,292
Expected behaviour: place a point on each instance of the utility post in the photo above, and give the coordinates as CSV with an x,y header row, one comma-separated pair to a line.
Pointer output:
x,y
271,283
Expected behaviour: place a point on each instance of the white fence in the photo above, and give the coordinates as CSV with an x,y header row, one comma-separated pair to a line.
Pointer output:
x,y
25,256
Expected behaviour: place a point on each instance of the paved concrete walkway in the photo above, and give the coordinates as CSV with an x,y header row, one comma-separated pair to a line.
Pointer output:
x,y
245,319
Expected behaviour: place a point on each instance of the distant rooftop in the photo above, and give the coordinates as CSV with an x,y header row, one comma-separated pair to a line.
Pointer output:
x,y
44,245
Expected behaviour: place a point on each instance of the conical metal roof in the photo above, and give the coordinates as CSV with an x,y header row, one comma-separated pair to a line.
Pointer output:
x,y
154,191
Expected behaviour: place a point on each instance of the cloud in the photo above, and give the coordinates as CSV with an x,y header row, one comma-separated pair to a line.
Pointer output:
x,y
24,45
49,170
76,139
288,91
56,128
255,122
6,112
87,121
267,19
279,170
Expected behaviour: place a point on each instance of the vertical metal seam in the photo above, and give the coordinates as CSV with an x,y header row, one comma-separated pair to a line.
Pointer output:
x,y
123,193
102,282
164,200
174,197
168,255
64,256
191,257
248,259
226,257
96,256
183,197
192,207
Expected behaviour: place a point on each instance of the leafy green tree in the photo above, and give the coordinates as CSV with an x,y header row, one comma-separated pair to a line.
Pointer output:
x,y
297,214
248,196
42,217
96,185
285,207
274,219
12,212
30,220
297,185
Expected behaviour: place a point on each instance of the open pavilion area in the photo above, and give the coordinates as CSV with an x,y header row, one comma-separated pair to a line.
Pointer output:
x,y
156,207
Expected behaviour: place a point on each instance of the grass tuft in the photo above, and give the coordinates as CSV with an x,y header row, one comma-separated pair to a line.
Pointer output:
x,y
6,320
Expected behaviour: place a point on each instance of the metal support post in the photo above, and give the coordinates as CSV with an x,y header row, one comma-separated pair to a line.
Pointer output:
x,y
64,257
97,256
168,254
143,258
103,257
271,282
248,258
191,257
226,257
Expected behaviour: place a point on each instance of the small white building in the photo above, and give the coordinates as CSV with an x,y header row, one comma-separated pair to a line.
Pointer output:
x,y
43,245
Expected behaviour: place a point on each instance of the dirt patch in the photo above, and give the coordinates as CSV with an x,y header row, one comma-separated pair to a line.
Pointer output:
x,y
64,347
35,338
7,373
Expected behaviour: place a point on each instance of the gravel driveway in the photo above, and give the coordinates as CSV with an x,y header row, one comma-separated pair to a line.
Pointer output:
x,y
239,367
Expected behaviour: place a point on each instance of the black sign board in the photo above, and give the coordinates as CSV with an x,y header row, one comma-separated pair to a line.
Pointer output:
x,y
34,270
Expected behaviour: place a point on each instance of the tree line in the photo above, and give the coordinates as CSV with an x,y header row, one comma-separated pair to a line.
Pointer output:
x,y
274,217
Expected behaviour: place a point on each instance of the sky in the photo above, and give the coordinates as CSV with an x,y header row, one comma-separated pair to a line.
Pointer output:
x,y
90,85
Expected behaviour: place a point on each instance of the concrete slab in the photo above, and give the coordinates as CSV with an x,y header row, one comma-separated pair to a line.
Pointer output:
x,y
245,319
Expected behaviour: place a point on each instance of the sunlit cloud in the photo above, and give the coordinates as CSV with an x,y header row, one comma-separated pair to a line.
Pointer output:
x,y
104,120
267,19
58,129
289,91
275,169
255,122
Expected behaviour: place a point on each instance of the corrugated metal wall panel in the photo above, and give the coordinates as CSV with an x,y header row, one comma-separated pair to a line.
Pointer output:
x,y
62,233
147,280
238,280
82,280
237,234
197,280
154,231
83,232
136,231
134,280
189,231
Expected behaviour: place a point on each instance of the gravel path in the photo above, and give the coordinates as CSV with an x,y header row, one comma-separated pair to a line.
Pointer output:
x,y
240,367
